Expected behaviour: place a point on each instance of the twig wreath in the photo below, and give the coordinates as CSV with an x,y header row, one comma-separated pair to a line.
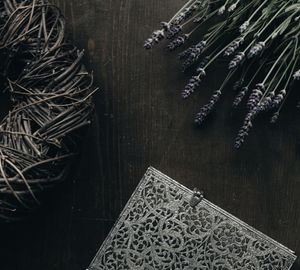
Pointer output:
x,y
50,91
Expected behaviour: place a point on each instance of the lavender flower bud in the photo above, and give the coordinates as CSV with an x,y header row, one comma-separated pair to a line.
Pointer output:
x,y
193,54
173,31
233,6
221,10
201,72
244,26
252,114
279,98
186,13
208,108
155,38
193,83
177,42
186,53
203,63
256,49
234,45
255,96
165,26
236,60
199,19
296,75
274,118
244,131
180,17
201,45
266,103
238,84
242,134
239,97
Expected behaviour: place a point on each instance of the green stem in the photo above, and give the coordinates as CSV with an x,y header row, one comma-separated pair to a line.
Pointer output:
x,y
276,62
257,10
272,19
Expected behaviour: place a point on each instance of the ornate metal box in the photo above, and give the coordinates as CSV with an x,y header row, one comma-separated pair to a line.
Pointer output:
x,y
166,226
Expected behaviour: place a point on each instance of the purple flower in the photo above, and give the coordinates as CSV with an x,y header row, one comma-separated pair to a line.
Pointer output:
x,y
238,84
242,134
165,26
201,72
266,103
256,49
173,31
233,46
186,13
244,26
208,108
193,83
192,54
255,96
155,38
199,19
236,60
296,75
279,98
233,7
244,131
203,63
191,51
177,42
274,118
239,97
222,10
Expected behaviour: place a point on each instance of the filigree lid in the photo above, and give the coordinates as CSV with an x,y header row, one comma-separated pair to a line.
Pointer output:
x,y
160,230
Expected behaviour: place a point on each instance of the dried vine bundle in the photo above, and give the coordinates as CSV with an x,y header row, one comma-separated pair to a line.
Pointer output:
x,y
50,92
259,39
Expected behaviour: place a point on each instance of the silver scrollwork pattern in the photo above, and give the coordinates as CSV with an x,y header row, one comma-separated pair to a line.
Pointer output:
x,y
159,230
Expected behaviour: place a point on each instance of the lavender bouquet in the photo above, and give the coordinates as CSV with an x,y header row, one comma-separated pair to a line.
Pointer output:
x,y
259,39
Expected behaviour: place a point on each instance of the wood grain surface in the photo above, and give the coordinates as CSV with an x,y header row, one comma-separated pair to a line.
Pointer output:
x,y
141,120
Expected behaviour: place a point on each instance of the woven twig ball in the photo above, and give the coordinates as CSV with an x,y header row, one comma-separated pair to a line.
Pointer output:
x,y
50,91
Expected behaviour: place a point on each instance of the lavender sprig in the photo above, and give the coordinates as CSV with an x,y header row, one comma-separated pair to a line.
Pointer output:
x,y
203,63
238,84
247,125
244,26
208,108
236,60
233,6
255,96
173,31
177,42
240,96
192,54
279,98
233,46
221,10
242,134
192,85
274,118
267,102
296,75
256,49
186,13
156,36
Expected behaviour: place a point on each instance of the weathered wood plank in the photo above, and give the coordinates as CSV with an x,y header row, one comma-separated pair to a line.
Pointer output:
x,y
142,121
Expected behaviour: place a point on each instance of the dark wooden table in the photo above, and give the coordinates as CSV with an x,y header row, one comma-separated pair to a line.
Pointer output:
x,y
141,121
